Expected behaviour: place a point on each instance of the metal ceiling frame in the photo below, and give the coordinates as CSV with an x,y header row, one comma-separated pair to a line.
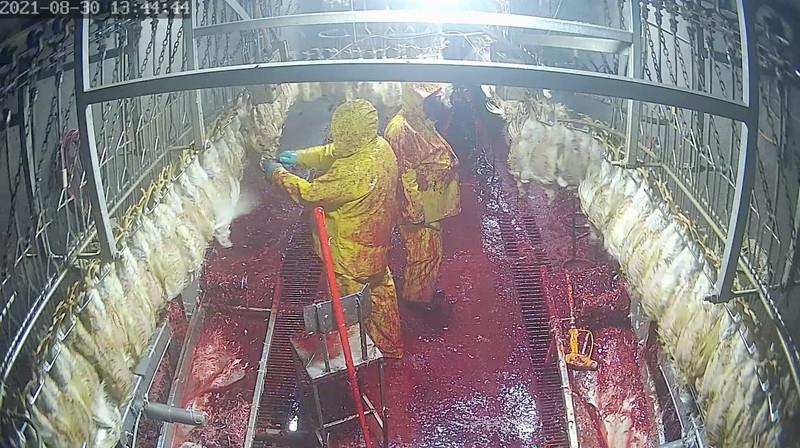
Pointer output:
x,y
514,75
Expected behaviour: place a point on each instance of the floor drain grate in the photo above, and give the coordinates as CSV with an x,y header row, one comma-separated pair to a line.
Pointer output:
x,y
522,242
301,271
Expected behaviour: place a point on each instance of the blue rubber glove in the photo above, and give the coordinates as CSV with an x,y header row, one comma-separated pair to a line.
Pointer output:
x,y
288,158
268,166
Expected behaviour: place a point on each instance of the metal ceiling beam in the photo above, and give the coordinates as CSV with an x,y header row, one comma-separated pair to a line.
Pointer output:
x,y
88,146
513,75
470,18
574,43
748,155
633,120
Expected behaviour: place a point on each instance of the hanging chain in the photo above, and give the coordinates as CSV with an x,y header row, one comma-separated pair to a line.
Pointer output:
x,y
650,43
149,49
164,46
227,52
207,50
174,51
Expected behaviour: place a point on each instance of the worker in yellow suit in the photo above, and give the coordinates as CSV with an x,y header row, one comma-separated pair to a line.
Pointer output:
x,y
428,193
357,190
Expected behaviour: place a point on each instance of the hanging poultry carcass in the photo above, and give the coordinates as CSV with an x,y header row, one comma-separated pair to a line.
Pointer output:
x,y
552,155
385,96
122,309
269,119
191,227
224,190
100,338
169,262
309,91
195,202
672,279
141,288
65,408
146,248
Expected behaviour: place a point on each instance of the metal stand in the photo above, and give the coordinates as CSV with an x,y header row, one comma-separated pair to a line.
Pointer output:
x,y
579,229
321,360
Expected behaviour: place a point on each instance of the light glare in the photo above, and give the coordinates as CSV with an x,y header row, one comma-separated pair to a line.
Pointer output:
x,y
437,5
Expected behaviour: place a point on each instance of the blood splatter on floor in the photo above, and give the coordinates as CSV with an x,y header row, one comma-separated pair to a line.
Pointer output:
x,y
468,383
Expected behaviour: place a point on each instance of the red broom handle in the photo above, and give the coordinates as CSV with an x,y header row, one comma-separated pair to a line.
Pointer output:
x,y
338,314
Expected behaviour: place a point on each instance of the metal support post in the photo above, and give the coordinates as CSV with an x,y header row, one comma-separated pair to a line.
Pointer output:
x,y
88,146
748,154
793,255
25,114
195,97
634,107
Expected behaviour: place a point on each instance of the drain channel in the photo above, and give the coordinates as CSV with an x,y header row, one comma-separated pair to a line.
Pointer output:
x,y
523,246
300,273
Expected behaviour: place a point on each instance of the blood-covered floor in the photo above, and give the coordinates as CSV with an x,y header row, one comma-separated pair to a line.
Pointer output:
x,y
466,380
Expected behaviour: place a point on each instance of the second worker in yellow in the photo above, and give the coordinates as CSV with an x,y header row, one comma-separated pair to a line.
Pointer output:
x,y
428,192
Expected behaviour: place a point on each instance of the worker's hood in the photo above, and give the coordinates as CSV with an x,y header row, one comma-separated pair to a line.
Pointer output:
x,y
354,127
414,96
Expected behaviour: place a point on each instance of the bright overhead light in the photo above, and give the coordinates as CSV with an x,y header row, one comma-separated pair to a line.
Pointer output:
x,y
437,5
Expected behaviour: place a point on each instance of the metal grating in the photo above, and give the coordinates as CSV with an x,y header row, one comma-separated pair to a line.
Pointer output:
x,y
301,272
529,263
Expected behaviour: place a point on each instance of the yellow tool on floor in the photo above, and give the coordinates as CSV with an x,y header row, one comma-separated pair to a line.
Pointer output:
x,y
579,356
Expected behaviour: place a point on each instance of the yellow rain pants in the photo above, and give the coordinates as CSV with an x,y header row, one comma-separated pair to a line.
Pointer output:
x,y
423,244
384,324
358,192
428,192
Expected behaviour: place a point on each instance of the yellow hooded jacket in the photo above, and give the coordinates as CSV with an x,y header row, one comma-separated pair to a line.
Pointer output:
x,y
429,190
357,189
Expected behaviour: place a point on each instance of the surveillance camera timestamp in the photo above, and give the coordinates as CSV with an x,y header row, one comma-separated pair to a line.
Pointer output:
x,y
82,8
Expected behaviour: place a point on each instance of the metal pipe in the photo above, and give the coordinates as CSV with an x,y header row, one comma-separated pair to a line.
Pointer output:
x,y
88,146
748,154
475,72
468,18
171,414
634,108
566,392
195,98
